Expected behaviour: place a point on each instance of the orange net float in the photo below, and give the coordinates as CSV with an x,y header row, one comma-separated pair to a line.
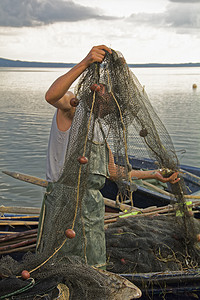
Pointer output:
x,y
83,160
198,238
70,233
102,90
74,102
123,261
95,87
25,274
194,86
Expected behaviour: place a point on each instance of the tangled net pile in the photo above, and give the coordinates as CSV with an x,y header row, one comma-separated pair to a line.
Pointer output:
x,y
147,245
113,106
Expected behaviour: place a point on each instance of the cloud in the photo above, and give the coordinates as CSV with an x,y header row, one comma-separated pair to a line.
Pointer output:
x,y
30,13
185,1
182,18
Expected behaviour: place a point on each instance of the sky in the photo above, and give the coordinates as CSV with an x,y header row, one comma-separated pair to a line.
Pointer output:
x,y
144,31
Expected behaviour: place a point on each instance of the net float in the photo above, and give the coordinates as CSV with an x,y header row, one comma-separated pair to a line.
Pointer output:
x,y
70,233
194,86
123,261
198,238
166,172
83,160
95,87
143,132
74,102
25,274
190,213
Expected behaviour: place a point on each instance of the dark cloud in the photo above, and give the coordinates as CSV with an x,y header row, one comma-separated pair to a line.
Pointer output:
x,y
177,16
186,16
19,13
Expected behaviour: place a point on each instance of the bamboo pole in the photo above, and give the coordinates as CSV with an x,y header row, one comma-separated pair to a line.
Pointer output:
x,y
18,234
150,211
17,245
19,210
20,249
172,196
7,233
111,215
18,240
159,190
121,206
27,178
192,175
44,183
24,217
192,196
34,210
15,223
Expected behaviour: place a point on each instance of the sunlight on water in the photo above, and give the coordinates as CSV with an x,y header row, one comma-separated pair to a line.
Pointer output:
x,y
25,122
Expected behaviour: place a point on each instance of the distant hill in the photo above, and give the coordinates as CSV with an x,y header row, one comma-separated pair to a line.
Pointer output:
x,y
32,64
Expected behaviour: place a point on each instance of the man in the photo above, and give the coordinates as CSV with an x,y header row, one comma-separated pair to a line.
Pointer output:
x,y
59,96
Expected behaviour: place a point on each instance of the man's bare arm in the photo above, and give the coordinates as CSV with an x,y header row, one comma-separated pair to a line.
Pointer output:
x,y
139,174
61,85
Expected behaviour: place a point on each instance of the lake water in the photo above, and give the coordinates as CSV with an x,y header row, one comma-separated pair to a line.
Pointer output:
x,y
25,121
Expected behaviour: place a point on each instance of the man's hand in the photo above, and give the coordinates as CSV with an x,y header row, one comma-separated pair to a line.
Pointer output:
x,y
172,179
96,54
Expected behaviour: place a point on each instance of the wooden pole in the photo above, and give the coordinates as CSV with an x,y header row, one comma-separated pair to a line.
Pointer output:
x,y
34,210
172,196
44,183
19,210
197,181
20,244
15,223
20,249
18,240
27,178
16,235
121,206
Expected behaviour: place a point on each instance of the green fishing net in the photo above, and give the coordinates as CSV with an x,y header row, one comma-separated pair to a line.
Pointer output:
x,y
113,109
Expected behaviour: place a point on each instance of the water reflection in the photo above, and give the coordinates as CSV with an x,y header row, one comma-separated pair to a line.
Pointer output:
x,y
25,122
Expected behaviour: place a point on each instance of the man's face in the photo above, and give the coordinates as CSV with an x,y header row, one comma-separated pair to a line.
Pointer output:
x,y
105,103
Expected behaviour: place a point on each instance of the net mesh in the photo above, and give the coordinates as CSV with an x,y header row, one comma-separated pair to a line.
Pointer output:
x,y
113,110
149,244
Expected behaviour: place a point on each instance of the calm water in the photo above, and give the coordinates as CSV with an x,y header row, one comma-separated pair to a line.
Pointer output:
x,y
25,121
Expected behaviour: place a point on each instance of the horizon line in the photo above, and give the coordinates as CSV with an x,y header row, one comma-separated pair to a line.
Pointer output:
x,y
64,63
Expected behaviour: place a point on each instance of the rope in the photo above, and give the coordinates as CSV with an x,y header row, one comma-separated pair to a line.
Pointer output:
x,y
25,288
77,198
125,143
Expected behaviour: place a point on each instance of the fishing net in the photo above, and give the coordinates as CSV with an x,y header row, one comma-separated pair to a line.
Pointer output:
x,y
113,112
70,279
149,244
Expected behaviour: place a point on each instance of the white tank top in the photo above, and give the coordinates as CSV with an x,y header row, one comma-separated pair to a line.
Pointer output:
x,y
58,141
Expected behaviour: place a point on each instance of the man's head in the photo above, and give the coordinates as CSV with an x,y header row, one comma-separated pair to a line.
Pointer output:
x,y
104,101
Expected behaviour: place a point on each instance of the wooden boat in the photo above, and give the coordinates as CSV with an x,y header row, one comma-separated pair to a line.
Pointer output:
x,y
182,285
170,285
147,194
18,232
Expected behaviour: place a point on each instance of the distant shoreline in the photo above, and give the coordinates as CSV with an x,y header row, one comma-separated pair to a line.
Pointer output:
x,y
31,64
